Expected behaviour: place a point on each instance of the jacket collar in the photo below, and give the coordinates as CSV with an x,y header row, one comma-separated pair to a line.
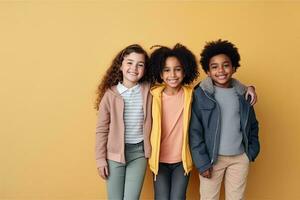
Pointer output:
x,y
157,89
208,86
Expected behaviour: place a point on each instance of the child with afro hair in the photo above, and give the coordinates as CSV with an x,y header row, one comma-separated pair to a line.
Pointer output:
x,y
223,127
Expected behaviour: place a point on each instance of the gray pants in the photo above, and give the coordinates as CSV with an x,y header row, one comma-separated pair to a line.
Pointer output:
x,y
171,183
125,181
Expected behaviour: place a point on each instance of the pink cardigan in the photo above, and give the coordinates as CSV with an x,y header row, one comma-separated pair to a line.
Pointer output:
x,y
110,126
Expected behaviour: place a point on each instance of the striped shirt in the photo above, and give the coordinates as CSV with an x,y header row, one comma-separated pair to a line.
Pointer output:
x,y
133,113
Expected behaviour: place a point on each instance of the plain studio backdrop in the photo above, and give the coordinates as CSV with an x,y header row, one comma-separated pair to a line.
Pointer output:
x,y
53,54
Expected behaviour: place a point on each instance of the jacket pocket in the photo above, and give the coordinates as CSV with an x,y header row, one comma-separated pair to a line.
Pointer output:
x,y
206,110
207,105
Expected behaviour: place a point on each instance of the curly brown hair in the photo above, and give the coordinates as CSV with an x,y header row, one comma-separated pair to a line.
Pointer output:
x,y
113,74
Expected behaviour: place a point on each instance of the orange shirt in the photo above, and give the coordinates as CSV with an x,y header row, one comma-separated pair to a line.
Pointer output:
x,y
172,128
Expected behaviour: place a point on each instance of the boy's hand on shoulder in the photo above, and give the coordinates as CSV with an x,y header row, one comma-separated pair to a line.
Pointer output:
x,y
103,172
207,173
251,92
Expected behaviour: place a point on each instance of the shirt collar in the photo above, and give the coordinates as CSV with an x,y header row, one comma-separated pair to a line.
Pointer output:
x,y
121,88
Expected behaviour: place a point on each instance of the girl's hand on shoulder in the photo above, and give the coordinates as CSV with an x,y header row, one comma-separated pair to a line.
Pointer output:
x,y
251,92
207,173
103,172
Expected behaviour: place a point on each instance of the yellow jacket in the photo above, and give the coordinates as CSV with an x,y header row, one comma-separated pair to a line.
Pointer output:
x,y
155,137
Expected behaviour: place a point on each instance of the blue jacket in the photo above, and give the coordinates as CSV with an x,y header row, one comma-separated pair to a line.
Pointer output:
x,y
205,124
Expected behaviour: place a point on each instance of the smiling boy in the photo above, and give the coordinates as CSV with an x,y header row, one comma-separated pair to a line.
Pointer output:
x,y
223,126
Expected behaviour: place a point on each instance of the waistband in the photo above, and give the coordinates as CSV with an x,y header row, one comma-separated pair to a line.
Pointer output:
x,y
133,145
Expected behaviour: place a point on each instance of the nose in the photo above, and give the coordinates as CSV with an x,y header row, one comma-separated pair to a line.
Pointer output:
x,y
220,69
172,73
134,67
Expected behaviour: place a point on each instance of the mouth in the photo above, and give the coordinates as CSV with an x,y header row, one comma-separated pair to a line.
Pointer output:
x,y
133,73
221,77
172,80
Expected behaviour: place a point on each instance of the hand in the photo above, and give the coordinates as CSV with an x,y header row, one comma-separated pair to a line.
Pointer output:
x,y
103,172
207,173
252,93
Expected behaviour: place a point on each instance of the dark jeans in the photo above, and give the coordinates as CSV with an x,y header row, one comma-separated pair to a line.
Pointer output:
x,y
171,183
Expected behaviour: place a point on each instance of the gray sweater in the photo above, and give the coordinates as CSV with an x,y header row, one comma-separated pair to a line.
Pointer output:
x,y
230,134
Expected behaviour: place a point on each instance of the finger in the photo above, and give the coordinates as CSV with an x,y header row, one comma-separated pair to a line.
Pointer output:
x,y
102,173
254,100
252,96
106,172
103,176
99,172
246,95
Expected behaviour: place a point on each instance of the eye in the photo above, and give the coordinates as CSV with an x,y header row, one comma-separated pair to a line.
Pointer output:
x,y
166,70
178,69
129,63
213,67
141,65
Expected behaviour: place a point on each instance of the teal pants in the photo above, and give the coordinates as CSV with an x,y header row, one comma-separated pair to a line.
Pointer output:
x,y
125,181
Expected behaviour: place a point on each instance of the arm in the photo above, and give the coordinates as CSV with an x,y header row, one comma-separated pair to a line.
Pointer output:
x,y
102,129
197,141
249,91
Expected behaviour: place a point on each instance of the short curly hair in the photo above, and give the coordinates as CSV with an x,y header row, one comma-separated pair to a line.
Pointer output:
x,y
217,47
186,58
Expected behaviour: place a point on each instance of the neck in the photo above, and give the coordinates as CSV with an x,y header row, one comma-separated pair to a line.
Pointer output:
x,y
172,91
226,85
129,84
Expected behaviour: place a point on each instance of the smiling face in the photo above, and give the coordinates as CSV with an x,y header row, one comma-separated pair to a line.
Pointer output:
x,y
172,73
133,68
221,70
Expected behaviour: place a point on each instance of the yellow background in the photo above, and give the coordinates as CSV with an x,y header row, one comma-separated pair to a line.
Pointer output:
x,y
52,56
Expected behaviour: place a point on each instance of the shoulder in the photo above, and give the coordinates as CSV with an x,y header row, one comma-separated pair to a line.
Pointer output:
x,y
202,99
157,89
110,94
188,90
145,85
198,91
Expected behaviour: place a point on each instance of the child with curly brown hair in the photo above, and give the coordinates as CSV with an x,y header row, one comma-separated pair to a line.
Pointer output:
x,y
124,123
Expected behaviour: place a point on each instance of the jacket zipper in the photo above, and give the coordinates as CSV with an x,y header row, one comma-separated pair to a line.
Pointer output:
x,y
214,146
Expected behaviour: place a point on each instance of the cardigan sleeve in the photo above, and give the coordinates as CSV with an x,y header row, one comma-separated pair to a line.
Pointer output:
x,y
102,130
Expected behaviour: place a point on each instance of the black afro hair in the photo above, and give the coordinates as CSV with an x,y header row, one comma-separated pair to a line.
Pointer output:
x,y
217,47
185,57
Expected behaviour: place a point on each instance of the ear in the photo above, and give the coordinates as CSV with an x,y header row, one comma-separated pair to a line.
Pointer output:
x,y
208,73
161,76
234,70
